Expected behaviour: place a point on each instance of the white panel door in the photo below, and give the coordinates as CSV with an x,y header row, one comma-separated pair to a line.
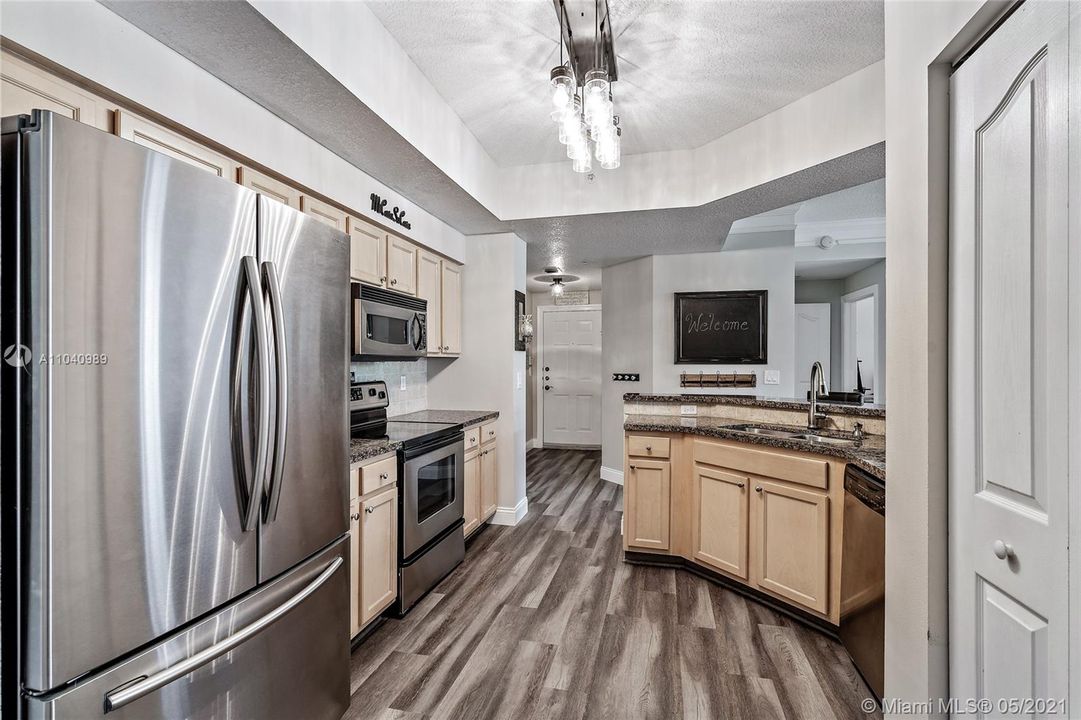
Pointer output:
x,y
812,342
571,377
1009,359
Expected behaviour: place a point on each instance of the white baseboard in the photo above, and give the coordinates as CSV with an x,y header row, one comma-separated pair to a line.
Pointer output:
x,y
612,475
534,444
510,515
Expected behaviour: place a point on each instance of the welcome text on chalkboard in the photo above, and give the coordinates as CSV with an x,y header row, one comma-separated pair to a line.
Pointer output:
x,y
722,327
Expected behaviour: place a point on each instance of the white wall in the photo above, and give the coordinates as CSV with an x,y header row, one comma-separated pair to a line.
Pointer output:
x,y
88,39
874,276
490,374
770,269
627,322
921,40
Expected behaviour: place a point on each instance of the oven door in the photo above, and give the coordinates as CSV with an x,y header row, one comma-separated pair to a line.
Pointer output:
x,y
432,492
388,325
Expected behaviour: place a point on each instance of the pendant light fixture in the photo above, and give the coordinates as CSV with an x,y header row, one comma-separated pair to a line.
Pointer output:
x,y
586,120
557,287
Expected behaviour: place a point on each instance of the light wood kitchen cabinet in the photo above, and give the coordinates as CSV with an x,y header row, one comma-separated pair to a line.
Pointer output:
x,y
378,552
452,308
323,212
24,87
647,504
471,483
401,265
489,480
354,566
720,516
430,288
271,187
791,543
367,252
149,134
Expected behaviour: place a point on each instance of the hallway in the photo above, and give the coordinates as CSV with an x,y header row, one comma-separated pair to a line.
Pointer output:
x,y
545,620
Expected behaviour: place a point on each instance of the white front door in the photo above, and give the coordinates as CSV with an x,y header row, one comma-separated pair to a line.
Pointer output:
x,y
812,342
1009,435
570,360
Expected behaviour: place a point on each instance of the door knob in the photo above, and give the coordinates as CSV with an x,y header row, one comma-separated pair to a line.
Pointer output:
x,y
545,368
546,377
547,387
1003,550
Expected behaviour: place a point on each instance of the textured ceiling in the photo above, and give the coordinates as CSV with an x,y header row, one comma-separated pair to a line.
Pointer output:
x,y
690,70
863,201
582,244
833,269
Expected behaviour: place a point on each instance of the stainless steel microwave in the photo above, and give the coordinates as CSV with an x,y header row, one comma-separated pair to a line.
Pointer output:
x,y
388,324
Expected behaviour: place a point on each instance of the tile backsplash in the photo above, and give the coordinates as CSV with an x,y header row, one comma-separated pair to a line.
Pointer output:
x,y
415,395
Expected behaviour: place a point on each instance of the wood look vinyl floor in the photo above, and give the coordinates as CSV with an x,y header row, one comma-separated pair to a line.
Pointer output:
x,y
545,620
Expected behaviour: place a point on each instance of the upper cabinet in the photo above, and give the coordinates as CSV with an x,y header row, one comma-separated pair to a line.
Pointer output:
x,y
367,252
266,185
430,288
323,212
149,134
401,265
24,87
451,308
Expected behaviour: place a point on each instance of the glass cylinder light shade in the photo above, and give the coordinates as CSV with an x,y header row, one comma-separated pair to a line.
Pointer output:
x,y
562,86
596,85
557,288
582,164
608,150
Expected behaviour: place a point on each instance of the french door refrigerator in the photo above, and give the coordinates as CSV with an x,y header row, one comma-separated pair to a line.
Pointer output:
x,y
175,437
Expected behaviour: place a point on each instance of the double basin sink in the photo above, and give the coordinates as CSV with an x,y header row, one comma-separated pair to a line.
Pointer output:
x,y
805,436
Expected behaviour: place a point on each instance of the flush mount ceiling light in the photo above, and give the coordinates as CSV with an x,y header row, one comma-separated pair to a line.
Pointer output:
x,y
585,115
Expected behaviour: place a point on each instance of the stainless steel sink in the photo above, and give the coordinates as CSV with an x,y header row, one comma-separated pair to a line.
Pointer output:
x,y
825,440
755,430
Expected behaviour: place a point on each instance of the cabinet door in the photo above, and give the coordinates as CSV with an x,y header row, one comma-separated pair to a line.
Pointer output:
x,y
647,504
151,135
452,309
720,520
367,252
354,566
379,553
430,287
472,493
323,212
489,481
266,185
24,87
401,265
791,543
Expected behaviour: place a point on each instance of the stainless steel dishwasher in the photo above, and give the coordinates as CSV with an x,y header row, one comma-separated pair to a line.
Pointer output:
x,y
863,574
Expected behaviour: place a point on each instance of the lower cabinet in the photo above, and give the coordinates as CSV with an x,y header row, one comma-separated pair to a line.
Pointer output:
x,y
471,505
791,544
378,553
720,520
647,503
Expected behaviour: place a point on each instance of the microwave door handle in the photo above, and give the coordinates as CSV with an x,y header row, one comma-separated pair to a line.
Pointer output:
x,y
281,390
253,306
417,330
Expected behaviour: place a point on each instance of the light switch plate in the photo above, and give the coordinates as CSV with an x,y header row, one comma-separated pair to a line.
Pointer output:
x,y
773,377
518,380
403,382
688,409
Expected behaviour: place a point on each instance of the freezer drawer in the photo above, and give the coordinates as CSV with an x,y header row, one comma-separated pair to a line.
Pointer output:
x,y
293,664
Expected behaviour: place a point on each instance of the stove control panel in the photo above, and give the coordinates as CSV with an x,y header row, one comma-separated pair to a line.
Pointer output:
x,y
368,395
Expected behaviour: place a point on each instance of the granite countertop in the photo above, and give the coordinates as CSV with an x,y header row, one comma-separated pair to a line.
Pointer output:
x,y
871,456
361,450
759,401
467,418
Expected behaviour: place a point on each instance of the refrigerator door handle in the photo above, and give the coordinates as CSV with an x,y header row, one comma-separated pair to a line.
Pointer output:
x,y
254,300
132,691
281,389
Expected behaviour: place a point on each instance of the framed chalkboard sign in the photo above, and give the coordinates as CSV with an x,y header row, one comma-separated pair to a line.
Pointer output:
x,y
721,327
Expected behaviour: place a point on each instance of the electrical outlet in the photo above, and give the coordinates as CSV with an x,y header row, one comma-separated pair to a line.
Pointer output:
x,y
688,409
403,382
773,377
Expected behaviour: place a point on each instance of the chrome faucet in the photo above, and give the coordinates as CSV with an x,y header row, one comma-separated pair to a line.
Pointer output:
x,y
818,386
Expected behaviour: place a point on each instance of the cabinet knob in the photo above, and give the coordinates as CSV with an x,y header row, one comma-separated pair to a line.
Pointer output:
x,y
758,488
369,510
383,476
649,448
394,281
491,432
634,467
383,280
355,516
739,485
1002,550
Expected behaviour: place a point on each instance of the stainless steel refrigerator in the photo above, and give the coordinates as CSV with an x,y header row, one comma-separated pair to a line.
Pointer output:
x,y
175,438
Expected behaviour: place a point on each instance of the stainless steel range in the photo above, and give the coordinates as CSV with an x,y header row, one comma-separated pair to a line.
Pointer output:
x,y
431,472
